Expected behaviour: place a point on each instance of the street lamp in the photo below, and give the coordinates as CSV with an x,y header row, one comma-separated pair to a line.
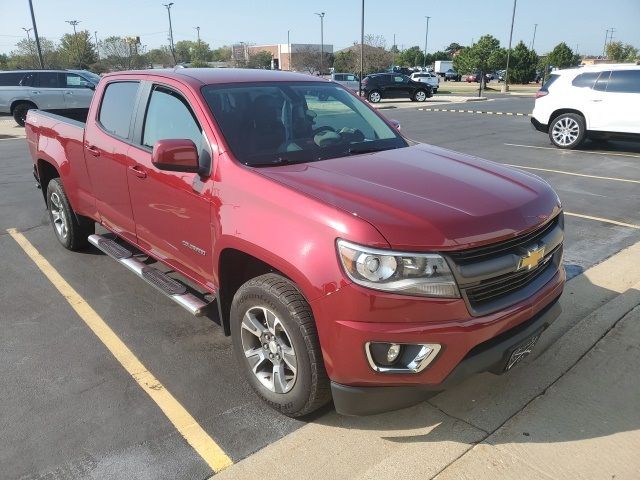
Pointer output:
x,y
505,85
321,15
361,50
426,38
35,33
74,23
198,29
173,52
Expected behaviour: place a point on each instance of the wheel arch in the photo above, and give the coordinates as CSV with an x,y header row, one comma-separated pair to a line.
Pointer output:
x,y
46,172
16,102
562,111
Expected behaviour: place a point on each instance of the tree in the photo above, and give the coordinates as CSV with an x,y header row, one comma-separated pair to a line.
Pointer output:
x,y
452,48
345,61
25,55
485,56
4,61
433,57
201,52
410,57
562,57
222,54
621,53
183,50
522,64
122,54
77,49
160,56
307,59
261,60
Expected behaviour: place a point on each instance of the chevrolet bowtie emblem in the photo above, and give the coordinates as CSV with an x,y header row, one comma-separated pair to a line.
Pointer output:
x,y
532,259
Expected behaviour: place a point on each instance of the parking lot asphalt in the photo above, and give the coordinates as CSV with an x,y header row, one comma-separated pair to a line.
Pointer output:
x,y
69,410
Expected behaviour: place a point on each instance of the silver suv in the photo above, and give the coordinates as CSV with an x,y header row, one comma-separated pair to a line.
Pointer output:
x,y
52,90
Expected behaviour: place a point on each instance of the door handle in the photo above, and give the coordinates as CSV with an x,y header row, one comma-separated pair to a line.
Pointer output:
x,y
138,172
35,92
68,93
92,150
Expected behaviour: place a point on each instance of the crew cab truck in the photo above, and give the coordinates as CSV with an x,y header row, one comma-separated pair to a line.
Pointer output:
x,y
344,260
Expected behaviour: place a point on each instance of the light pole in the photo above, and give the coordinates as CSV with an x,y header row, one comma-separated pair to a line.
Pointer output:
x,y
74,23
35,33
28,39
288,48
173,51
426,39
321,15
533,42
198,29
361,51
505,85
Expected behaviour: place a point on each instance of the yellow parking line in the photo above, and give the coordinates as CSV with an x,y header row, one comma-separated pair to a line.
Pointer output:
x,y
573,151
188,427
605,220
574,174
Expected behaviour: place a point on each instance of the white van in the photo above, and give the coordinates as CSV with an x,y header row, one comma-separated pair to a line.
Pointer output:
x,y
600,101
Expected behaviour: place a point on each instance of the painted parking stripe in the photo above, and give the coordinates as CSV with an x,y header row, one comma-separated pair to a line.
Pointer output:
x,y
487,112
181,419
598,177
573,151
604,220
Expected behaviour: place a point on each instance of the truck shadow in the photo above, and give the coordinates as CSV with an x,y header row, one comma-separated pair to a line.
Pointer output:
x,y
568,390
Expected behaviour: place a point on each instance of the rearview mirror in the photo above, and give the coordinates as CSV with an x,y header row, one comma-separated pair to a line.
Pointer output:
x,y
175,155
395,123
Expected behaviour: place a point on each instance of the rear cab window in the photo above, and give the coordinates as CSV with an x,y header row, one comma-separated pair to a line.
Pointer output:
x,y
116,109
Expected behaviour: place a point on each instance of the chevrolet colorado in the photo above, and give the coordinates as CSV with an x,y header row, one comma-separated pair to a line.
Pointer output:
x,y
344,260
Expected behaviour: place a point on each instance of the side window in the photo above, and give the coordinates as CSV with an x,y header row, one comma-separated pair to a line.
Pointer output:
x,y
351,78
398,79
118,102
28,80
47,80
11,79
71,80
601,83
169,116
624,81
339,77
586,80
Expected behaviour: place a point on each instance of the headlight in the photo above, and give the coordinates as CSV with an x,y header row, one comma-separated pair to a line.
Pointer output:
x,y
425,274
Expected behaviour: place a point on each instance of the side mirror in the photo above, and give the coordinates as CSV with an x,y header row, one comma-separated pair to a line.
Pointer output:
x,y
179,155
396,124
90,86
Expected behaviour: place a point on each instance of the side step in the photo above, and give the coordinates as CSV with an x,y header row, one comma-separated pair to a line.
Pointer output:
x,y
172,288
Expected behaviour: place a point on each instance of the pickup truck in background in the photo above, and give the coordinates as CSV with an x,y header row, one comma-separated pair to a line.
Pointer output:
x,y
344,260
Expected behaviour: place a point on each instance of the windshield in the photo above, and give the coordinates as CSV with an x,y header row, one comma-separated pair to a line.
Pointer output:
x,y
88,75
286,122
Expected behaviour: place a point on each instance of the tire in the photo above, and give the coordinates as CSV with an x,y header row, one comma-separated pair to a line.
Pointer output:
x,y
20,112
567,131
374,96
291,333
420,96
70,229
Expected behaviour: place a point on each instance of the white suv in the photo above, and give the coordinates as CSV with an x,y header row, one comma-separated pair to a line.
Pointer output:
x,y
427,77
601,101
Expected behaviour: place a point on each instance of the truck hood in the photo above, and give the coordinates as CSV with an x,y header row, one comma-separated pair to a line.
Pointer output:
x,y
424,197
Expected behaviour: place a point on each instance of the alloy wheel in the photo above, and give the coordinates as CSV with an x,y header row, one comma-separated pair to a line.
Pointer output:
x,y
58,216
268,349
565,131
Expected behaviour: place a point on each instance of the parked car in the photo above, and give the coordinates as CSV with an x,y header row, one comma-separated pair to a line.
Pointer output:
x,y
349,80
51,90
476,76
393,85
343,259
597,102
452,76
428,78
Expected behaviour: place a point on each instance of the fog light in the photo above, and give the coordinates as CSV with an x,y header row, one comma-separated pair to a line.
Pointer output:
x,y
393,352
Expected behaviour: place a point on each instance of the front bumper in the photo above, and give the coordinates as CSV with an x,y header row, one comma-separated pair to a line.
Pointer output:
x,y
489,356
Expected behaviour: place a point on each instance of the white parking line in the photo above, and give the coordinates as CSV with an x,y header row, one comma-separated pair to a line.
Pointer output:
x,y
574,174
605,220
573,151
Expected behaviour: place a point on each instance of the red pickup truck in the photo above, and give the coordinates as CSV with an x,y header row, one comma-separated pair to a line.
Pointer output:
x,y
345,260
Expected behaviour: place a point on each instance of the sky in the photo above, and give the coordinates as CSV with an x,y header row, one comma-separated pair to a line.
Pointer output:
x,y
580,23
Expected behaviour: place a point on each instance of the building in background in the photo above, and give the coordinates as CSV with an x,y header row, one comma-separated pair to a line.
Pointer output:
x,y
285,56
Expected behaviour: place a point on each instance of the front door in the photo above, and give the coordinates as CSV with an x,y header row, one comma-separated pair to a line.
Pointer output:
x,y
77,91
172,209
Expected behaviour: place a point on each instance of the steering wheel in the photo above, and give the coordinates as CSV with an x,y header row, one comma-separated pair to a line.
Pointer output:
x,y
324,128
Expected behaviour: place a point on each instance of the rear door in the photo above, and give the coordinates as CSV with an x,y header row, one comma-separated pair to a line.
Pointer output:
x,y
77,90
107,143
622,102
172,209
45,90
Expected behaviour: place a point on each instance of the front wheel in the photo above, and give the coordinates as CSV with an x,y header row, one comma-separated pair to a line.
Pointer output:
x,y
567,130
276,345
374,96
71,230
20,112
420,96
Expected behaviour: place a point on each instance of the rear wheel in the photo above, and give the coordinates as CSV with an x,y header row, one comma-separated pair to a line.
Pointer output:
x,y
276,345
71,230
567,130
20,112
420,96
374,96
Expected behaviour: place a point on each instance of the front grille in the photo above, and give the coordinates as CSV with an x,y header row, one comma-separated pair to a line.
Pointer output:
x,y
489,278
495,249
504,285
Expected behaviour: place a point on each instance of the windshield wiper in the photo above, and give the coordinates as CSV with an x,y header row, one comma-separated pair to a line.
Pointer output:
x,y
356,151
